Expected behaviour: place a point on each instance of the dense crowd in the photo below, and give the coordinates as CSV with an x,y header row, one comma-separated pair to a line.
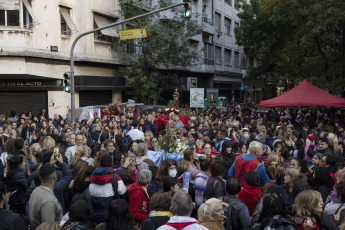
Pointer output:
x,y
244,168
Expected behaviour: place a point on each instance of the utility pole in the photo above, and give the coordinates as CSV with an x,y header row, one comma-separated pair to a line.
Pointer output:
x,y
99,29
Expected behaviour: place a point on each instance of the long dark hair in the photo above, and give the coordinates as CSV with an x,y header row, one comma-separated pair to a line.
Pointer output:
x,y
80,211
119,216
270,206
300,147
85,171
225,145
13,164
163,170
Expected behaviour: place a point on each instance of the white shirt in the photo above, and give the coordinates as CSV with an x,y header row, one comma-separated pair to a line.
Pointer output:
x,y
136,134
183,219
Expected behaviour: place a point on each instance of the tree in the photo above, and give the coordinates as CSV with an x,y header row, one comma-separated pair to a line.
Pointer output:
x,y
167,45
295,39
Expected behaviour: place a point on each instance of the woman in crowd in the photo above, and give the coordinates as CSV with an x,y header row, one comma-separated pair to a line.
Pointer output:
x,y
118,217
201,179
241,148
215,185
139,197
207,149
167,168
170,185
301,166
159,213
308,212
333,197
211,214
17,183
332,209
133,149
298,185
148,136
272,214
316,160
154,144
34,150
189,155
328,162
82,181
290,175
82,154
228,156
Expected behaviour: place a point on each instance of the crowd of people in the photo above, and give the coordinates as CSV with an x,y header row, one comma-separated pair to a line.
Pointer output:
x,y
244,169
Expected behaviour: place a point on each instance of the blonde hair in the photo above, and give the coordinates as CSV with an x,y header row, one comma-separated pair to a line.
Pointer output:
x,y
48,143
341,175
207,208
149,133
333,139
306,202
81,150
35,147
293,173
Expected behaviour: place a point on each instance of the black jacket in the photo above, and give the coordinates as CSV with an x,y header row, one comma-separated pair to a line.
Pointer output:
x,y
154,222
277,222
10,220
229,159
215,188
16,180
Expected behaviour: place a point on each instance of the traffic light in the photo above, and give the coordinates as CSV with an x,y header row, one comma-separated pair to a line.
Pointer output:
x,y
67,82
187,8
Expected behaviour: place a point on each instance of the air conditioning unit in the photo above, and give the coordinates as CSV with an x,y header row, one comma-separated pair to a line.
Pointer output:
x,y
219,33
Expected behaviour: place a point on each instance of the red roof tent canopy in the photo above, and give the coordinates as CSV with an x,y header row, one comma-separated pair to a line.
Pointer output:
x,y
304,94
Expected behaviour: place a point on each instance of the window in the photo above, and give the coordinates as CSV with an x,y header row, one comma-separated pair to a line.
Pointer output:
x,y
227,26
237,60
108,34
218,21
228,2
251,62
218,55
10,14
227,57
208,53
67,24
131,46
236,4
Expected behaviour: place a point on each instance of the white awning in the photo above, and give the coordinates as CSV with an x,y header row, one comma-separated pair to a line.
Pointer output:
x,y
31,12
65,14
9,4
101,22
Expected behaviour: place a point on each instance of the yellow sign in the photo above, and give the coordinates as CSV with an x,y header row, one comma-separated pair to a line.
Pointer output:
x,y
132,34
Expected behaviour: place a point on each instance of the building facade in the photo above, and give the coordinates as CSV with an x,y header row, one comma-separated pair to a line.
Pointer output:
x,y
36,37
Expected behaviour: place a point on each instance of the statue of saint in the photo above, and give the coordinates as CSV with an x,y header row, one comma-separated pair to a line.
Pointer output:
x,y
171,128
176,99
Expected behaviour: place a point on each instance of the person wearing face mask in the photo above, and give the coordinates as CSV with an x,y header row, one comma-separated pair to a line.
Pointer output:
x,y
244,137
167,168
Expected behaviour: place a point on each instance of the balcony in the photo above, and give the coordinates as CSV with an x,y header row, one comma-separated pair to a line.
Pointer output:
x,y
208,25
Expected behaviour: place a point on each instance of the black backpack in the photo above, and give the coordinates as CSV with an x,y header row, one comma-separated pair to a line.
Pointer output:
x,y
232,221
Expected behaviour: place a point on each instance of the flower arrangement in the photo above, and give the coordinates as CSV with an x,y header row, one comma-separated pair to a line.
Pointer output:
x,y
175,146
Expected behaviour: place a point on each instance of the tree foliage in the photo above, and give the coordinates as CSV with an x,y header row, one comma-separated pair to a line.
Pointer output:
x,y
167,45
295,39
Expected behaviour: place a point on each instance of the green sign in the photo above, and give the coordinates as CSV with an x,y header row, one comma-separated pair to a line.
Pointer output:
x,y
212,97
197,96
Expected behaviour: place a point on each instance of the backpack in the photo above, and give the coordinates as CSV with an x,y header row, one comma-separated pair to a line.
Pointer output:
x,y
232,221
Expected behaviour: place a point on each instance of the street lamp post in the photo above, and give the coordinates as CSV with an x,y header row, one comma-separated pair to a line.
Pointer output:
x,y
99,29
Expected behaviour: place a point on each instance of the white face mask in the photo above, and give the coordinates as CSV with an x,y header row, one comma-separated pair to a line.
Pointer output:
x,y
172,173
245,135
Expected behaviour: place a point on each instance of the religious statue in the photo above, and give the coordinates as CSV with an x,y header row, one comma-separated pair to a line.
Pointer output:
x,y
176,99
171,128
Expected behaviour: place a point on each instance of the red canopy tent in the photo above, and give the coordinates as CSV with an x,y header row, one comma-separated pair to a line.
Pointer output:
x,y
304,94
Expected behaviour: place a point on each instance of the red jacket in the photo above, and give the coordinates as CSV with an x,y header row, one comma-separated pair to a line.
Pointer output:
x,y
139,203
250,196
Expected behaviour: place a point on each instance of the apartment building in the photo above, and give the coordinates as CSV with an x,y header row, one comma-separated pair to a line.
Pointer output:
x,y
36,37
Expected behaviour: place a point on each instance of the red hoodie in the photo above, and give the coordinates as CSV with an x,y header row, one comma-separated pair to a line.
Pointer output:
x,y
250,196
139,203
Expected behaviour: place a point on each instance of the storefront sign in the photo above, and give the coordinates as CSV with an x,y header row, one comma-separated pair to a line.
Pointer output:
x,y
31,83
197,96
